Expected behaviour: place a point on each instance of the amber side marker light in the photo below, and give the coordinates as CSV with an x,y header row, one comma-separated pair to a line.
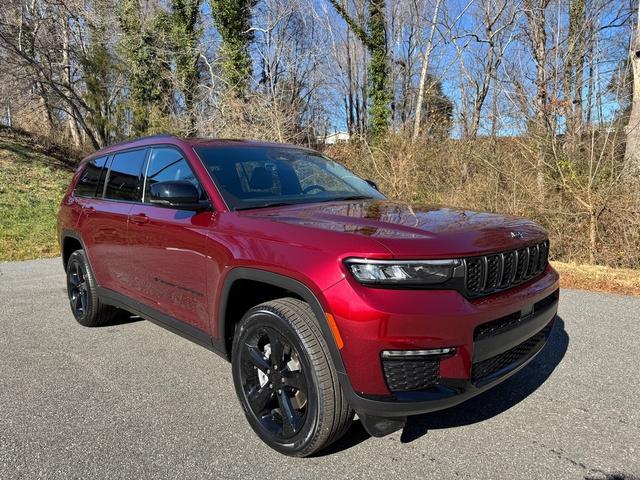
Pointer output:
x,y
334,330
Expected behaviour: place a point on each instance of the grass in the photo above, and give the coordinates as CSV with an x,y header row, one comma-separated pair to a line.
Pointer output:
x,y
597,278
32,184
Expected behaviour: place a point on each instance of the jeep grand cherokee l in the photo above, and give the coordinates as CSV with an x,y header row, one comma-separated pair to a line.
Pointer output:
x,y
327,298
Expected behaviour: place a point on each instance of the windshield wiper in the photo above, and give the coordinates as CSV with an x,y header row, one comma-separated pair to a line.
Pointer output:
x,y
352,197
265,205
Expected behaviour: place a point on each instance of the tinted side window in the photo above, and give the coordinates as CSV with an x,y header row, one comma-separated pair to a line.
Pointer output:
x,y
167,164
125,175
90,178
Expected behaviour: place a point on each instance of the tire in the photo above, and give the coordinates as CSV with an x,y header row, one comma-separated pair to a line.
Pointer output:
x,y
310,391
86,307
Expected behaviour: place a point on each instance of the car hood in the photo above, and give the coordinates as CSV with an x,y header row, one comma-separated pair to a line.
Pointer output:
x,y
413,230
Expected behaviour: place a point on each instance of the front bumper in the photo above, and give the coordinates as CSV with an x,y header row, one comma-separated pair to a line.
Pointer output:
x,y
447,393
376,320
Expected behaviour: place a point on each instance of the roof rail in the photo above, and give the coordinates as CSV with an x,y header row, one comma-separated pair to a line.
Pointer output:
x,y
147,137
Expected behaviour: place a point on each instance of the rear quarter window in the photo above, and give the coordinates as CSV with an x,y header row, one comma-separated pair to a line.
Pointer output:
x,y
89,181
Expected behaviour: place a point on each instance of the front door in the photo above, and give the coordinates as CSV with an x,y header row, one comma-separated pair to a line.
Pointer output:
x,y
167,246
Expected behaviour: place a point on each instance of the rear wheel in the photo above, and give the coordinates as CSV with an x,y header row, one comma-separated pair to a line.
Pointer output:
x,y
285,380
86,307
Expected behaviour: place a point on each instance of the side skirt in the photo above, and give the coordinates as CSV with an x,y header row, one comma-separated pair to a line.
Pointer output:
x,y
163,320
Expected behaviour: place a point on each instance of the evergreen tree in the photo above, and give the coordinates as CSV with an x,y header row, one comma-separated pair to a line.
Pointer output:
x,y
374,37
233,21
97,65
185,35
100,69
437,111
145,48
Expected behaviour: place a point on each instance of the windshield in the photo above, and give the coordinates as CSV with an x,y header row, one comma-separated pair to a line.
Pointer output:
x,y
259,177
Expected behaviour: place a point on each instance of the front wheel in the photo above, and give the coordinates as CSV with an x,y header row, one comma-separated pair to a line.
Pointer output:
x,y
285,380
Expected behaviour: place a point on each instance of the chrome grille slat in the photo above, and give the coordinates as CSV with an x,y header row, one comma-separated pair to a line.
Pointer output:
x,y
503,270
485,272
501,275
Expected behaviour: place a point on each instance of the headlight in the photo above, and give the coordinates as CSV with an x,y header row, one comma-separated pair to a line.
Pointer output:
x,y
398,272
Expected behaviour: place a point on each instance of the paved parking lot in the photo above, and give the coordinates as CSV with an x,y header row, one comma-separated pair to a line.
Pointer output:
x,y
134,401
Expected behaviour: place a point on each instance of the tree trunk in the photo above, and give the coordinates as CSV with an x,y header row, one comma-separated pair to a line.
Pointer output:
x,y
350,106
535,10
632,153
483,91
593,235
66,80
423,72
574,72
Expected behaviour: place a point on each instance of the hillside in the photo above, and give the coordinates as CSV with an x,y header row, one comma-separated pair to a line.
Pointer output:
x,y
33,178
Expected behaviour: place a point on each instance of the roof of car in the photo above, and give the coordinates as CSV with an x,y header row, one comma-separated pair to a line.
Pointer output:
x,y
192,141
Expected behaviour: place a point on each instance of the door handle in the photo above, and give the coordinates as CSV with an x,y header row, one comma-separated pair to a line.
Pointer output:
x,y
88,210
140,218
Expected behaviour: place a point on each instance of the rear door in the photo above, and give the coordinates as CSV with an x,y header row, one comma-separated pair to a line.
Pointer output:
x,y
104,220
168,262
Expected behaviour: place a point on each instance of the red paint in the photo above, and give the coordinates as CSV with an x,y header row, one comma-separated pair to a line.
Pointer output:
x,y
145,252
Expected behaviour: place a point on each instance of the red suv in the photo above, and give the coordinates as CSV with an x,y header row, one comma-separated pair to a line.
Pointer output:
x,y
327,298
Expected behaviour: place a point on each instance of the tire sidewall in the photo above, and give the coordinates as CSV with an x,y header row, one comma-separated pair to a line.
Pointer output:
x,y
78,258
265,317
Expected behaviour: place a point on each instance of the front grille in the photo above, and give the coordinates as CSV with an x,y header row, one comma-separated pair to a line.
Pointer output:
x,y
407,375
487,368
491,273
496,327
506,323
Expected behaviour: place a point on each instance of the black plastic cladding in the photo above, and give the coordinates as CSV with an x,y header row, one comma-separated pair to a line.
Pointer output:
x,y
491,273
487,368
405,375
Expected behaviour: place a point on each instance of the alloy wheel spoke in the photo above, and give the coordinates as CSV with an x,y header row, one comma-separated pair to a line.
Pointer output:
x,y
75,298
257,358
289,415
74,280
259,397
78,272
83,301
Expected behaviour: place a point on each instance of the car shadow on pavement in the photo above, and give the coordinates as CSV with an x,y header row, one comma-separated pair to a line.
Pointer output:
x,y
477,409
122,317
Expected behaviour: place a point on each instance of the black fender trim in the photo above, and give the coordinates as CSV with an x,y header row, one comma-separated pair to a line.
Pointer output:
x,y
287,283
66,233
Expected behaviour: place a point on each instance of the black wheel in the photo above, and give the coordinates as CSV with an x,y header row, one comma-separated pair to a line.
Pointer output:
x,y
285,379
83,297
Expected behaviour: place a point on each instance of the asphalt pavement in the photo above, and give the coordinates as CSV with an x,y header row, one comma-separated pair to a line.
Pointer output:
x,y
132,400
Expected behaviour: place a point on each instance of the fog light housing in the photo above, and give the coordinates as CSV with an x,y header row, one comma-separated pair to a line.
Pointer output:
x,y
409,354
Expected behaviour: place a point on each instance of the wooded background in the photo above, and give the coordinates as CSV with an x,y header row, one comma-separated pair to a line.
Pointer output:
x,y
529,107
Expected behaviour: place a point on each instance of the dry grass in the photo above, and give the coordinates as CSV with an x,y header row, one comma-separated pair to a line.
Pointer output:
x,y
598,278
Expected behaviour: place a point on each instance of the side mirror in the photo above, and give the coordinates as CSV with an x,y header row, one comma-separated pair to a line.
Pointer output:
x,y
178,194
373,184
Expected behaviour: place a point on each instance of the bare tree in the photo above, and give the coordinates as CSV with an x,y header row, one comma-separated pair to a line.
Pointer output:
x,y
426,57
492,36
535,11
632,153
